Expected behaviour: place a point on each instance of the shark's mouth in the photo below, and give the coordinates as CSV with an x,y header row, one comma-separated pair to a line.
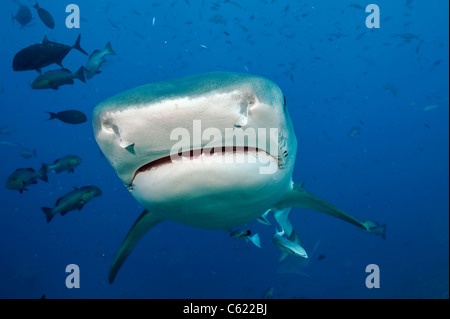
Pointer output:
x,y
199,154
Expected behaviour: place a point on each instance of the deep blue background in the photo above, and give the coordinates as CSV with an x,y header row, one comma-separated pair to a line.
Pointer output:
x,y
395,171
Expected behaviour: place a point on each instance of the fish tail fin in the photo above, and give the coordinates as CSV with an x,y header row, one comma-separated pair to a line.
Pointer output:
x,y
375,228
42,173
49,213
52,116
78,46
108,49
282,218
263,218
282,256
299,197
145,222
80,74
255,240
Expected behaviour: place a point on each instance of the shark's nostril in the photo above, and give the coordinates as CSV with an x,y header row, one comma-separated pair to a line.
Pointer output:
x,y
111,128
107,126
246,102
252,100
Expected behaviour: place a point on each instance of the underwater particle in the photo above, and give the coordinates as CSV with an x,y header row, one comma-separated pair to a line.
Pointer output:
x,y
430,107
356,130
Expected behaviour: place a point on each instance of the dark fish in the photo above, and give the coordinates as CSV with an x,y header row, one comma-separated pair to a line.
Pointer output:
x,y
8,143
23,15
408,36
218,19
436,63
360,35
320,257
354,131
418,46
245,234
75,199
268,293
69,117
45,16
55,78
355,5
27,153
391,88
5,130
66,163
22,177
241,234
40,55
96,59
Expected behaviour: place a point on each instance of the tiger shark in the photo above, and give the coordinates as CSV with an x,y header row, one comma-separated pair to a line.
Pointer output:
x,y
170,144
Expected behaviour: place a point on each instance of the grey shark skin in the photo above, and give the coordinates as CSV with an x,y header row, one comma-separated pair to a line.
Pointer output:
x,y
133,130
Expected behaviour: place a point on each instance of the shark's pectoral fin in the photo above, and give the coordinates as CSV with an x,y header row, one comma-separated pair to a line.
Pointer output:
x,y
146,221
299,197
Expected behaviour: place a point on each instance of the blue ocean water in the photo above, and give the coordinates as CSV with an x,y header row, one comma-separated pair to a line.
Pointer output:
x,y
370,110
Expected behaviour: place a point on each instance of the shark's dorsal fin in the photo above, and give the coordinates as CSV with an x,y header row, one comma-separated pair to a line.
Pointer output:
x,y
146,221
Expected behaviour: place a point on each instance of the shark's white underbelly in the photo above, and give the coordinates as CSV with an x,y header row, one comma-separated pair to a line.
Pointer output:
x,y
218,192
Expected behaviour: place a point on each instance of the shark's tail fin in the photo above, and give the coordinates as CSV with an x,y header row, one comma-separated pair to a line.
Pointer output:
x,y
49,213
78,46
